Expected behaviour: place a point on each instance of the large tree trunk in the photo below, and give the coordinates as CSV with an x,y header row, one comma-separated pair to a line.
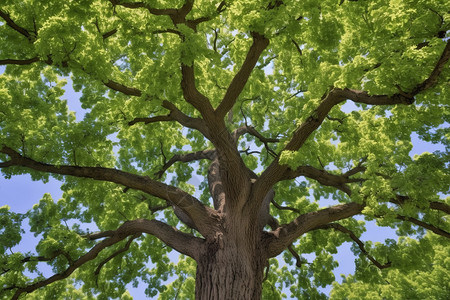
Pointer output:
x,y
230,270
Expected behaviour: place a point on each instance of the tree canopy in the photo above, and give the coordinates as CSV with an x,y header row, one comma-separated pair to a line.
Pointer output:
x,y
275,105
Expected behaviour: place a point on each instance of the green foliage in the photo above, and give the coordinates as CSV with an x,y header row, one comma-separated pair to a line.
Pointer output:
x,y
10,228
381,47
415,276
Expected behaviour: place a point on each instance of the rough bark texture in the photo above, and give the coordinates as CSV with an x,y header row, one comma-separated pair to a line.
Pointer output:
x,y
232,265
229,273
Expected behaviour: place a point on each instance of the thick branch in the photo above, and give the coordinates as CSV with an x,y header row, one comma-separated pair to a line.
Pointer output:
x,y
360,244
14,26
180,117
240,79
192,95
440,206
233,171
19,61
283,236
130,91
200,214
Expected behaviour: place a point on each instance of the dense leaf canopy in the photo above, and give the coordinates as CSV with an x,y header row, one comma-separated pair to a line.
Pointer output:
x,y
296,100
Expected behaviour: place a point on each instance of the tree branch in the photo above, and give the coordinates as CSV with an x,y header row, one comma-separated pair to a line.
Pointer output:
x,y
277,240
192,95
202,216
14,26
323,177
252,131
299,50
109,33
275,171
92,254
130,91
19,61
298,260
180,117
121,250
360,244
204,154
399,200
152,10
278,206
180,241
430,227
151,120
240,79
42,259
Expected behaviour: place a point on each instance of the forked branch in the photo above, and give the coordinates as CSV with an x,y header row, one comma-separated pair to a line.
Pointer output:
x,y
193,96
275,172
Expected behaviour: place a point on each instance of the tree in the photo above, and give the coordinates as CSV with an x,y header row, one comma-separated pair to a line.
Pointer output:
x,y
253,97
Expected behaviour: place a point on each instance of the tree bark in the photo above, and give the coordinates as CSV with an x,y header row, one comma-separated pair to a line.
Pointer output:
x,y
230,271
